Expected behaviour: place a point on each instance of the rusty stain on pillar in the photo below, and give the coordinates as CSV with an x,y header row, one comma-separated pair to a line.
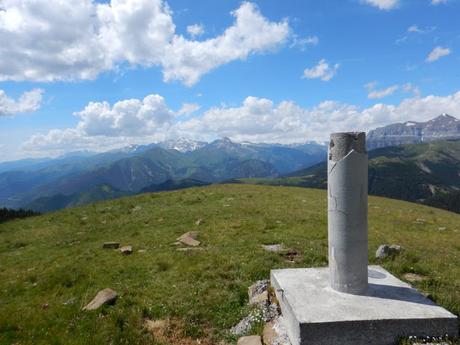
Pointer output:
x,y
347,212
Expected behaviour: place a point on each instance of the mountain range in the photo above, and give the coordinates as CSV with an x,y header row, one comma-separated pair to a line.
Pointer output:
x,y
49,184
443,127
426,171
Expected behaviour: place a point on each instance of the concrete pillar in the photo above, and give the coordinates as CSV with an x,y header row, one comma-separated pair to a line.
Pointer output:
x,y
347,212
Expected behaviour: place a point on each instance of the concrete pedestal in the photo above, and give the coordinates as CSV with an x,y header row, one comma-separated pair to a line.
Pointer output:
x,y
317,314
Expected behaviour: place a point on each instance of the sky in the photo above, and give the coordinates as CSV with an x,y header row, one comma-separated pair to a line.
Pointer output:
x,y
98,75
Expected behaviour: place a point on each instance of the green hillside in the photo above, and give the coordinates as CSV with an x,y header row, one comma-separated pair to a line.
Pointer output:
x,y
58,201
425,173
53,265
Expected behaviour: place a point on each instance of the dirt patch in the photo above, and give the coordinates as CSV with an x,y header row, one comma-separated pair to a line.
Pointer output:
x,y
292,255
173,332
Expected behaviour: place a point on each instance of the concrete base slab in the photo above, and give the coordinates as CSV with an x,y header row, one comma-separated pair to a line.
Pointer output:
x,y
317,314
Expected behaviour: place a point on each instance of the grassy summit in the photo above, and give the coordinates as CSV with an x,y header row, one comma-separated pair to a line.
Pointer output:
x,y
52,265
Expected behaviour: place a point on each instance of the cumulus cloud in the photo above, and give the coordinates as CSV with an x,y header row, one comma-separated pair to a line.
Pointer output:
x,y
28,102
377,94
47,40
256,120
195,30
322,70
437,53
382,4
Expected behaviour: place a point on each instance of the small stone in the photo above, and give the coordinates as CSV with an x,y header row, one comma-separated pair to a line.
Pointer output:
x,y
420,220
141,251
111,245
261,298
190,242
199,221
45,306
382,252
126,250
275,248
269,334
189,239
442,228
385,251
250,340
106,296
395,249
257,288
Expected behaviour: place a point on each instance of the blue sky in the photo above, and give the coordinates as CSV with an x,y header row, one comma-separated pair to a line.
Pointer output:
x,y
262,71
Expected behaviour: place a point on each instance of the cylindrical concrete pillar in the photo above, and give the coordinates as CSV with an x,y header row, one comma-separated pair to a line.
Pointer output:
x,y
347,212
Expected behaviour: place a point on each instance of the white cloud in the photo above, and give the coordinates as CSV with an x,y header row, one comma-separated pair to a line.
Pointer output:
x,y
195,30
102,126
188,109
437,53
377,94
256,120
322,70
382,4
303,42
132,117
47,40
414,28
28,102
437,2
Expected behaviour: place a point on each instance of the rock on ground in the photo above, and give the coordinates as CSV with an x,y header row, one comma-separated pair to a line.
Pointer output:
x,y
265,310
257,288
106,296
385,251
269,334
261,298
190,234
275,248
189,239
111,245
126,250
250,340
190,242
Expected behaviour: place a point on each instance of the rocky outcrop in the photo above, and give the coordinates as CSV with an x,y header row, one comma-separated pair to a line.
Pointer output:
x,y
443,127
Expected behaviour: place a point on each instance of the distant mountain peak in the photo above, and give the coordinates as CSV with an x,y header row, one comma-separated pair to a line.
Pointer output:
x,y
182,144
442,127
444,117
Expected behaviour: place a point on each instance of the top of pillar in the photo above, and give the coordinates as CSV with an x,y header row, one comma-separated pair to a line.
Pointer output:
x,y
342,143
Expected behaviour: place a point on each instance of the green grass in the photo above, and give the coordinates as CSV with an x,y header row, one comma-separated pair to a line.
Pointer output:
x,y
58,257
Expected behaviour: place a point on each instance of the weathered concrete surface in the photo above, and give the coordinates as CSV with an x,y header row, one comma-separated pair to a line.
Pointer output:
x,y
347,212
317,314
